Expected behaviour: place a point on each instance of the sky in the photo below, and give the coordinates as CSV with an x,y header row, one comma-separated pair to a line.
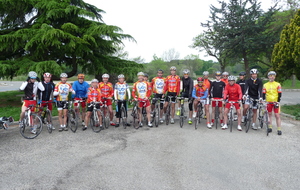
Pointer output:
x,y
159,25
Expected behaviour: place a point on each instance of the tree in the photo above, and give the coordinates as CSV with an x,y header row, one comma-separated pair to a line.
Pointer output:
x,y
286,54
170,55
192,62
58,35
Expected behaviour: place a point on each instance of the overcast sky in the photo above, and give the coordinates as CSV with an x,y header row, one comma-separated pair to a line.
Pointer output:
x,y
159,25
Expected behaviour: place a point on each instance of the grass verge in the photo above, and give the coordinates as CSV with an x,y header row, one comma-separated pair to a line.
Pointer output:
x,y
292,110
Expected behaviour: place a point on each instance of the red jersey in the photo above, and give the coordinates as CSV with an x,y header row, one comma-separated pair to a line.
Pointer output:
x,y
200,90
225,81
141,90
233,93
107,90
172,84
158,85
94,95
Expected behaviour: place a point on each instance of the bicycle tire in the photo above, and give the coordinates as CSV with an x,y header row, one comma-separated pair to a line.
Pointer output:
x,y
134,117
95,122
25,130
168,115
197,120
216,116
267,122
181,116
231,120
106,118
72,122
248,117
123,117
156,115
48,120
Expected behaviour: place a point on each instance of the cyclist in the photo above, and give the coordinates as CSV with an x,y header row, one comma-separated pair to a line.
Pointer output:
x,y
241,82
272,94
217,88
93,95
207,84
30,87
187,90
172,88
62,90
158,88
232,93
107,92
81,88
121,92
142,91
253,89
225,77
200,93
47,94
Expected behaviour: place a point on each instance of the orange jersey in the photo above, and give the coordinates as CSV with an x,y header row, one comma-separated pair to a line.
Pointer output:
x,y
107,90
233,93
62,89
94,95
158,85
225,81
141,90
172,84
206,83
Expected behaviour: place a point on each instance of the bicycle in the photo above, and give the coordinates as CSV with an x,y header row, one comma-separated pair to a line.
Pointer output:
x,y
156,111
263,116
123,113
217,115
95,121
105,112
46,114
199,114
79,113
182,116
72,121
231,114
168,110
249,114
31,122
5,122
135,113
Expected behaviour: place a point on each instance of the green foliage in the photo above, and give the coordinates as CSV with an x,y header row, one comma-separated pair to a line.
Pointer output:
x,y
292,110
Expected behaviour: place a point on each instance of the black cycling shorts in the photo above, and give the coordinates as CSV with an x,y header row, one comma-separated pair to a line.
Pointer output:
x,y
174,94
62,105
90,108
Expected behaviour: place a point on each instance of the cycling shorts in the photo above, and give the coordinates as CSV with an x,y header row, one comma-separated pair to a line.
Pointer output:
x,y
108,101
83,104
174,94
142,104
27,103
62,105
247,102
271,107
214,103
90,108
46,104
236,105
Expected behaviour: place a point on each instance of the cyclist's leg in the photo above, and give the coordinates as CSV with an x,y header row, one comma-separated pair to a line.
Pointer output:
x,y
173,102
270,109
191,108
195,104
213,107
60,113
254,112
278,119
206,106
65,114
88,115
225,114
83,108
148,110
140,111
238,111
221,112
111,113
167,101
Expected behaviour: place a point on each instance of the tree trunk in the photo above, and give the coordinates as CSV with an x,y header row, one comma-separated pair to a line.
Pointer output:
x,y
293,80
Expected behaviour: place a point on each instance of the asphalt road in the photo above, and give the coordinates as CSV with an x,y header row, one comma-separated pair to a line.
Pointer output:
x,y
167,157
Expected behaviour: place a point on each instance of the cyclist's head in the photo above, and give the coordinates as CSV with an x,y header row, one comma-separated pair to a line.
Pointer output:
x,y
200,81
47,77
80,76
94,83
173,70
32,75
271,76
121,78
160,72
231,80
146,76
205,74
218,75
243,73
105,77
63,77
186,73
253,73
141,76
225,74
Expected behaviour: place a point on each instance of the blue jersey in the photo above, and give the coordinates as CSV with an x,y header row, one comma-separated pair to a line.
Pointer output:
x,y
81,89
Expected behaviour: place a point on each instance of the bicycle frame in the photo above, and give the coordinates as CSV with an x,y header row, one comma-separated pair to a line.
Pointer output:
x,y
231,117
217,114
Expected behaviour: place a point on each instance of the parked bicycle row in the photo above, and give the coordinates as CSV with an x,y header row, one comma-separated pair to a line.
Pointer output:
x,y
92,103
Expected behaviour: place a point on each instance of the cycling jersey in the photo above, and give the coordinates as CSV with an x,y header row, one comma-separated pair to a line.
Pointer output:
x,y
81,89
158,85
272,91
242,84
141,90
200,91
107,90
233,92
207,83
93,95
62,90
225,81
253,88
121,91
46,95
217,88
30,89
187,87
172,84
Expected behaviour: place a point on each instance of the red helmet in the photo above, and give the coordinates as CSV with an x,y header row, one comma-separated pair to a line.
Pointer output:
x,y
200,79
47,75
80,76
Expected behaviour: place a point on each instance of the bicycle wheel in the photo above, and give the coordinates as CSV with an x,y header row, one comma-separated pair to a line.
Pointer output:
x,y
231,120
123,117
197,119
216,116
32,126
261,118
106,118
134,117
248,117
48,117
156,115
266,121
181,116
95,122
72,121
168,115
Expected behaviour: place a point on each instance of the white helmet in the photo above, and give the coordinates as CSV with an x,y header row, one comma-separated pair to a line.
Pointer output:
x,y
47,75
173,68
121,76
205,73
105,75
32,74
63,75
253,71
231,78
186,71
95,80
272,73
225,73
141,74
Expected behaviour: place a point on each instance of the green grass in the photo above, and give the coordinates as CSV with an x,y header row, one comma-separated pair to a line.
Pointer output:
x,y
292,110
287,84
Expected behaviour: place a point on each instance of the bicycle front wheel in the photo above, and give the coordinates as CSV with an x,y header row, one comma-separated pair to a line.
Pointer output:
x,y
123,117
72,122
32,126
95,122
216,116
49,121
181,116
156,115
231,120
248,118
168,115
266,121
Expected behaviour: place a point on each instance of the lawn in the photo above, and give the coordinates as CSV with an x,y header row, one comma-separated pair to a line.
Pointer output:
x,y
292,110
287,84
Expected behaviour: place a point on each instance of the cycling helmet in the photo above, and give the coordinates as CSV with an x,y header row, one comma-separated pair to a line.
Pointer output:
x,y
121,76
47,75
146,75
105,75
242,73
218,73
225,73
205,73
253,71
200,79
95,80
272,73
186,71
231,78
32,74
63,75
140,74
173,68
160,70
80,76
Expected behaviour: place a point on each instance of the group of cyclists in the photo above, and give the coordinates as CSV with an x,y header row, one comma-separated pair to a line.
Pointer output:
x,y
217,93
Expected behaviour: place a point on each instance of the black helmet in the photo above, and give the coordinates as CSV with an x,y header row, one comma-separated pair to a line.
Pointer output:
x,y
160,70
243,73
146,75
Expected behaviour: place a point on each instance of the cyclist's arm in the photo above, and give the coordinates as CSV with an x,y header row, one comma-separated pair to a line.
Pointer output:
x,y
240,92
128,92
205,94
55,92
246,87
178,86
279,93
40,86
194,93
191,88
260,86
225,93
23,86
115,94
133,91
264,93
74,87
